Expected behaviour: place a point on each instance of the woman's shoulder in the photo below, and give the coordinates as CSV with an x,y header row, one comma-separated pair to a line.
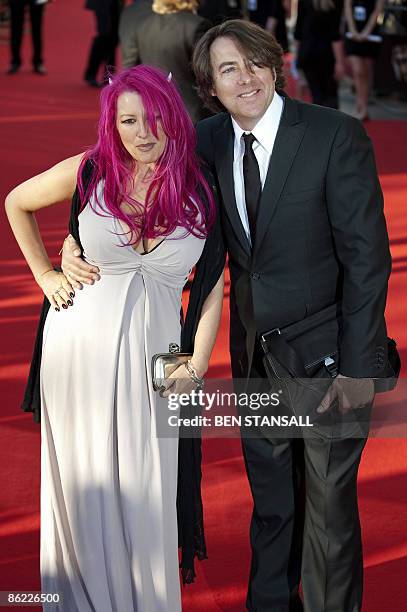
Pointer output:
x,y
69,166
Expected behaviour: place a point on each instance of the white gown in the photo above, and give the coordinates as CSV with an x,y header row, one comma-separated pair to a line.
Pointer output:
x,y
108,488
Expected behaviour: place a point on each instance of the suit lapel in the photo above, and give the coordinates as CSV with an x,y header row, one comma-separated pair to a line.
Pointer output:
x,y
288,139
224,146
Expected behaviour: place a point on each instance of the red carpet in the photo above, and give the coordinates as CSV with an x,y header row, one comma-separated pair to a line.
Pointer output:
x,y
43,120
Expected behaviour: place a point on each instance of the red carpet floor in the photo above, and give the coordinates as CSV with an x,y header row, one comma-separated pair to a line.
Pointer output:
x,y
43,120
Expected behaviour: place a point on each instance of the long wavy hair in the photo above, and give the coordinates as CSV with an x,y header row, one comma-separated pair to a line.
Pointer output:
x,y
178,195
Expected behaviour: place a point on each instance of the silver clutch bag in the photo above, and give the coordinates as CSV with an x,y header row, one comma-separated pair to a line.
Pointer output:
x,y
164,364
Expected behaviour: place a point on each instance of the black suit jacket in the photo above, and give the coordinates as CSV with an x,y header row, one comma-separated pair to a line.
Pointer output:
x,y
321,235
165,41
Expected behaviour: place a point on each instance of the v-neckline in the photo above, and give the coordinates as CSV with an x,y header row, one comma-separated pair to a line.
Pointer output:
x,y
118,222
150,251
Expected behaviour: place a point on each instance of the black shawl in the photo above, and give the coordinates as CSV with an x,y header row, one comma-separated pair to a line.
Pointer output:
x,y
207,272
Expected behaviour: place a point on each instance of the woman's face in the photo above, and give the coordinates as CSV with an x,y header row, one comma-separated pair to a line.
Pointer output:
x,y
135,132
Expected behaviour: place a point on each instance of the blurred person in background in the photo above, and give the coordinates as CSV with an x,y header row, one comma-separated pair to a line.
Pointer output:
x,y
4,19
165,37
219,10
103,49
17,13
362,46
320,54
129,19
271,15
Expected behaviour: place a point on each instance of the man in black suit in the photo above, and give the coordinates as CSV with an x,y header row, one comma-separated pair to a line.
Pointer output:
x,y
302,214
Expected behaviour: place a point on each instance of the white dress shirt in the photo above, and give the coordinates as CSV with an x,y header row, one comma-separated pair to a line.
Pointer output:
x,y
265,132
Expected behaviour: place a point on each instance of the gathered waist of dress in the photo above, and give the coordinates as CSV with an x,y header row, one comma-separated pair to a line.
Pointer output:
x,y
140,266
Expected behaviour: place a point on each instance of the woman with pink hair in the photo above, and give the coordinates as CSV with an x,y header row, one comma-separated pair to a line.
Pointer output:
x,y
144,215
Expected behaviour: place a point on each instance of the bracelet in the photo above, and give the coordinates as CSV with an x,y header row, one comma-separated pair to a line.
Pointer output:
x,y
194,375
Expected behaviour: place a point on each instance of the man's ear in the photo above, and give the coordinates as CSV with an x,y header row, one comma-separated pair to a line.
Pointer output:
x,y
275,74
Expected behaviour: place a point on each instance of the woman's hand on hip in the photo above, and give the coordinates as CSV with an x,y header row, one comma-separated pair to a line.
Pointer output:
x,y
57,288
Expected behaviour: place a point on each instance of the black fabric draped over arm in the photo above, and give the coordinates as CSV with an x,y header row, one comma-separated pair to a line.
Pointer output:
x,y
189,502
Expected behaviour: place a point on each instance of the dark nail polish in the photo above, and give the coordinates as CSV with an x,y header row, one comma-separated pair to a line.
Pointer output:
x,y
57,309
70,302
64,306
72,294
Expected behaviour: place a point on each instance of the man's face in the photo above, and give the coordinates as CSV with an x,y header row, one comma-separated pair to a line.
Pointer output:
x,y
245,89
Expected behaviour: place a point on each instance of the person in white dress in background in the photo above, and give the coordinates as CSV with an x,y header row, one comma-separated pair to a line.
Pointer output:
x,y
109,481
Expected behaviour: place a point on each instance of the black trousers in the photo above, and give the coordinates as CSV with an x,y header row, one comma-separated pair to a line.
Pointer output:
x,y
103,48
17,12
305,523
322,83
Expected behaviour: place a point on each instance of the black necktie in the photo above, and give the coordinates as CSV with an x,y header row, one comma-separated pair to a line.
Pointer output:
x,y
252,184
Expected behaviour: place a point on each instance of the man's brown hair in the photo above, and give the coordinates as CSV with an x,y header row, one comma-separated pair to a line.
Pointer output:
x,y
257,45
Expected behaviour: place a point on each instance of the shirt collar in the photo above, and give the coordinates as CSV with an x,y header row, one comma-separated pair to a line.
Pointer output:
x,y
265,129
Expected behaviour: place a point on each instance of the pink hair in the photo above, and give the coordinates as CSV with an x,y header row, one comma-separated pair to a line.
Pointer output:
x,y
178,195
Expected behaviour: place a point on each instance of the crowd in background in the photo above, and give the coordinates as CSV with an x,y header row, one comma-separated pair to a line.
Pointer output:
x,y
324,40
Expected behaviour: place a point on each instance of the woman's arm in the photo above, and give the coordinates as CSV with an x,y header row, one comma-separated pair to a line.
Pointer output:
x,y
46,189
208,327
204,341
348,10
371,24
